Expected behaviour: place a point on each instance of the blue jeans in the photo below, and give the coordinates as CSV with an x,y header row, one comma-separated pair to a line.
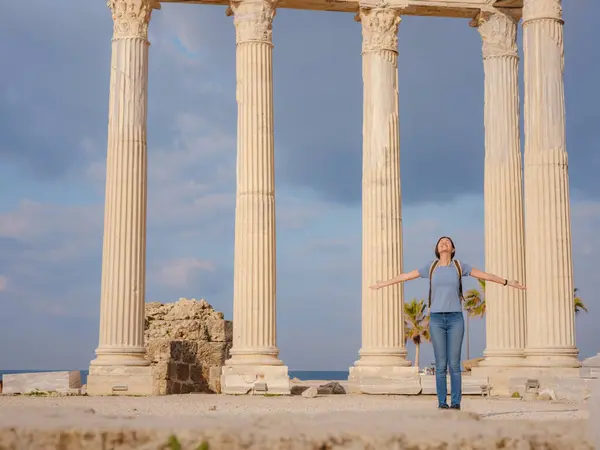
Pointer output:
x,y
447,331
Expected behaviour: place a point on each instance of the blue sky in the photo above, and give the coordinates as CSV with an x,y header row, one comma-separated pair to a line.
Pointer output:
x,y
53,124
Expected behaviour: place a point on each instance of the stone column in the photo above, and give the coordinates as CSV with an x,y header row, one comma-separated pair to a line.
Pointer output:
x,y
120,365
549,261
503,191
382,366
254,364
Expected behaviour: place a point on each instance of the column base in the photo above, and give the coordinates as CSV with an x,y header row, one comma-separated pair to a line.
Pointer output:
x,y
552,357
369,357
400,380
502,358
505,381
120,356
120,380
239,379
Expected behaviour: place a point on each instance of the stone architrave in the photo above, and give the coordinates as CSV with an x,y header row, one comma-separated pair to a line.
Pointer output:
x,y
254,355
120,366
382,367
503,191
549,259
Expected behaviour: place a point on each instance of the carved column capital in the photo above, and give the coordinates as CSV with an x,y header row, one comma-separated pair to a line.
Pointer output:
x,y
131,17
253,20
541,9
499,34
379,29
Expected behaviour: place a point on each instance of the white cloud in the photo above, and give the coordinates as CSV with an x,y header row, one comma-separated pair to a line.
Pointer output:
x,y
33,220
177,273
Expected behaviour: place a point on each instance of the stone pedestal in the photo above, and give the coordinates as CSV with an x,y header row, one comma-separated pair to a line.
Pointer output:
x,y
254,354
549,260
121,353
504,381
504,240
253,379
24,383
384,380
121,380
591,367
383,354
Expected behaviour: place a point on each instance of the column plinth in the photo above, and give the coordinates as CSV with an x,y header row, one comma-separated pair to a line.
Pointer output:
x,y
120,365
254,354
382,366
549,259
503,191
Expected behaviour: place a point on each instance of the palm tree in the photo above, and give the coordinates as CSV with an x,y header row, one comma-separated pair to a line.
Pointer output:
x,y
416,325
579,305
475,301
475,307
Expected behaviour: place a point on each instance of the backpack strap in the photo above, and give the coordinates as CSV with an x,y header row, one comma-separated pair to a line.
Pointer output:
x,y
431,270
460,272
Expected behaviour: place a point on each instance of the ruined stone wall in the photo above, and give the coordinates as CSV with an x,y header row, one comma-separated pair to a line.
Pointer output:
x,y
187,343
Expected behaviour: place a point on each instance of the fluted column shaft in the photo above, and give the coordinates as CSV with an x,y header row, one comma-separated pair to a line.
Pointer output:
x,y
124,247
254,293
503,190
382,310
549,261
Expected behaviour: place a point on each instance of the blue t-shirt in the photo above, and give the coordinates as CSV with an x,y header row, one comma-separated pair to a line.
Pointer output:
x,y
444,286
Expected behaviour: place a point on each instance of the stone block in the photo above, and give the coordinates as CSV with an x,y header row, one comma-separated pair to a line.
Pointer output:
x,y
242,379
505,380
594,412
471,385
160,387
174,387
591,367
121,380
212,353
214,379
196,374
22,383
428,385
384,380
183,372
220,331
160,370
564,389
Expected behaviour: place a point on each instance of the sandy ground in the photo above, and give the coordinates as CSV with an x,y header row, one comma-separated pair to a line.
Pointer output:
x,y
194,405
288,423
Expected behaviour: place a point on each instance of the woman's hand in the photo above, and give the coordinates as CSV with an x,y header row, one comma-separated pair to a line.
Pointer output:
x,y
377,286
515,284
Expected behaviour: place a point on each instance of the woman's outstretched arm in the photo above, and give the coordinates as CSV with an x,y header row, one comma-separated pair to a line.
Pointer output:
x,y
399,279
495,279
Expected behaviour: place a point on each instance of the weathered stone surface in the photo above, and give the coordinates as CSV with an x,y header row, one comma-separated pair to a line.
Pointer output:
x,y
185,340
591,367
297,389
311,392
186,319
563,389
333,387
384,380
22,383
470,385
470,363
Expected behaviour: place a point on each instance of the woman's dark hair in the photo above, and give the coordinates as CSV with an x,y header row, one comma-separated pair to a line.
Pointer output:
x,y
437,253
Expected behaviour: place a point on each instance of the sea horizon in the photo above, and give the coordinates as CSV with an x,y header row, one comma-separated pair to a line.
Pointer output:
x,y
327,375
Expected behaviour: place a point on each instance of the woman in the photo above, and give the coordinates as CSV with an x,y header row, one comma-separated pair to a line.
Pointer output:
x,y
446,322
